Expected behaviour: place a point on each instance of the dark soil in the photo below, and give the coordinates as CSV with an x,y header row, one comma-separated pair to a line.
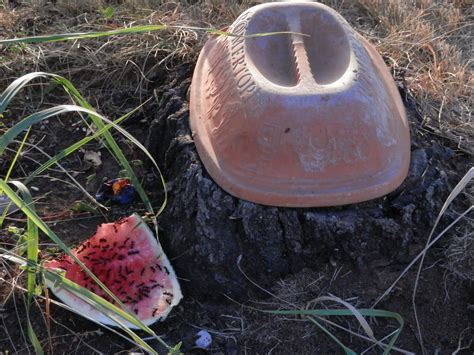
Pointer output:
x,y
205,230
354,252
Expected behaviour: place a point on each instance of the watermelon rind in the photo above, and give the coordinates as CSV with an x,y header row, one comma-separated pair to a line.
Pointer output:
x,y
107,317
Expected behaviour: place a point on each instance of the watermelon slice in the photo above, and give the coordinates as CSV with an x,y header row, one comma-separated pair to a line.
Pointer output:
x,y
128,259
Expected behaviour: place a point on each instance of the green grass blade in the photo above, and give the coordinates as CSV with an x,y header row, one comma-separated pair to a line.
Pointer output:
x,y
34,338
36,117
87,296
20,83
30,213
7,176
98,302
4,213
346,312
17,154
129,31
74,147
83,35
175,350
24,124
74,183
10,92
32,241
113,146
98,121
7,255
347,350
355,312
32,257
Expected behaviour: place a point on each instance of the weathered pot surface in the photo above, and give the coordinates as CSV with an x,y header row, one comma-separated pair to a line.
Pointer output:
x,y
307,118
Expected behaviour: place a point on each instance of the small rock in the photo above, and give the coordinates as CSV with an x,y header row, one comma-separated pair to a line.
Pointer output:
x,y
204,339
92,158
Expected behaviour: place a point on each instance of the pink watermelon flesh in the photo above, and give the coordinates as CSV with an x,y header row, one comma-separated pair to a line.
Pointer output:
x,y
127,258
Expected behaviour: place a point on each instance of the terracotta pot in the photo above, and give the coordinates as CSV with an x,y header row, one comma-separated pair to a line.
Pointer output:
x,y
295,120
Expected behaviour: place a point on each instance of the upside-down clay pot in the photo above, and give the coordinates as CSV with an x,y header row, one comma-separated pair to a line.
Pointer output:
x,y
307,118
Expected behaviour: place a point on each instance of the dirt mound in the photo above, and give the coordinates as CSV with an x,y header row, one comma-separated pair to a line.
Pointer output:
x,y
206,229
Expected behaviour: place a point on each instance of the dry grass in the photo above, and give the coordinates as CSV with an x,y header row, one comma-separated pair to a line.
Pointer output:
x,y
281,333
113,69
427,43
459,254
431,42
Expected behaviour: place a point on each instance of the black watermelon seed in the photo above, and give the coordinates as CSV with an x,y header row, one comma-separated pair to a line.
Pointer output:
x,y
121,257
168,294
167,271
131,283
168,301
102,240
141,272
154,311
